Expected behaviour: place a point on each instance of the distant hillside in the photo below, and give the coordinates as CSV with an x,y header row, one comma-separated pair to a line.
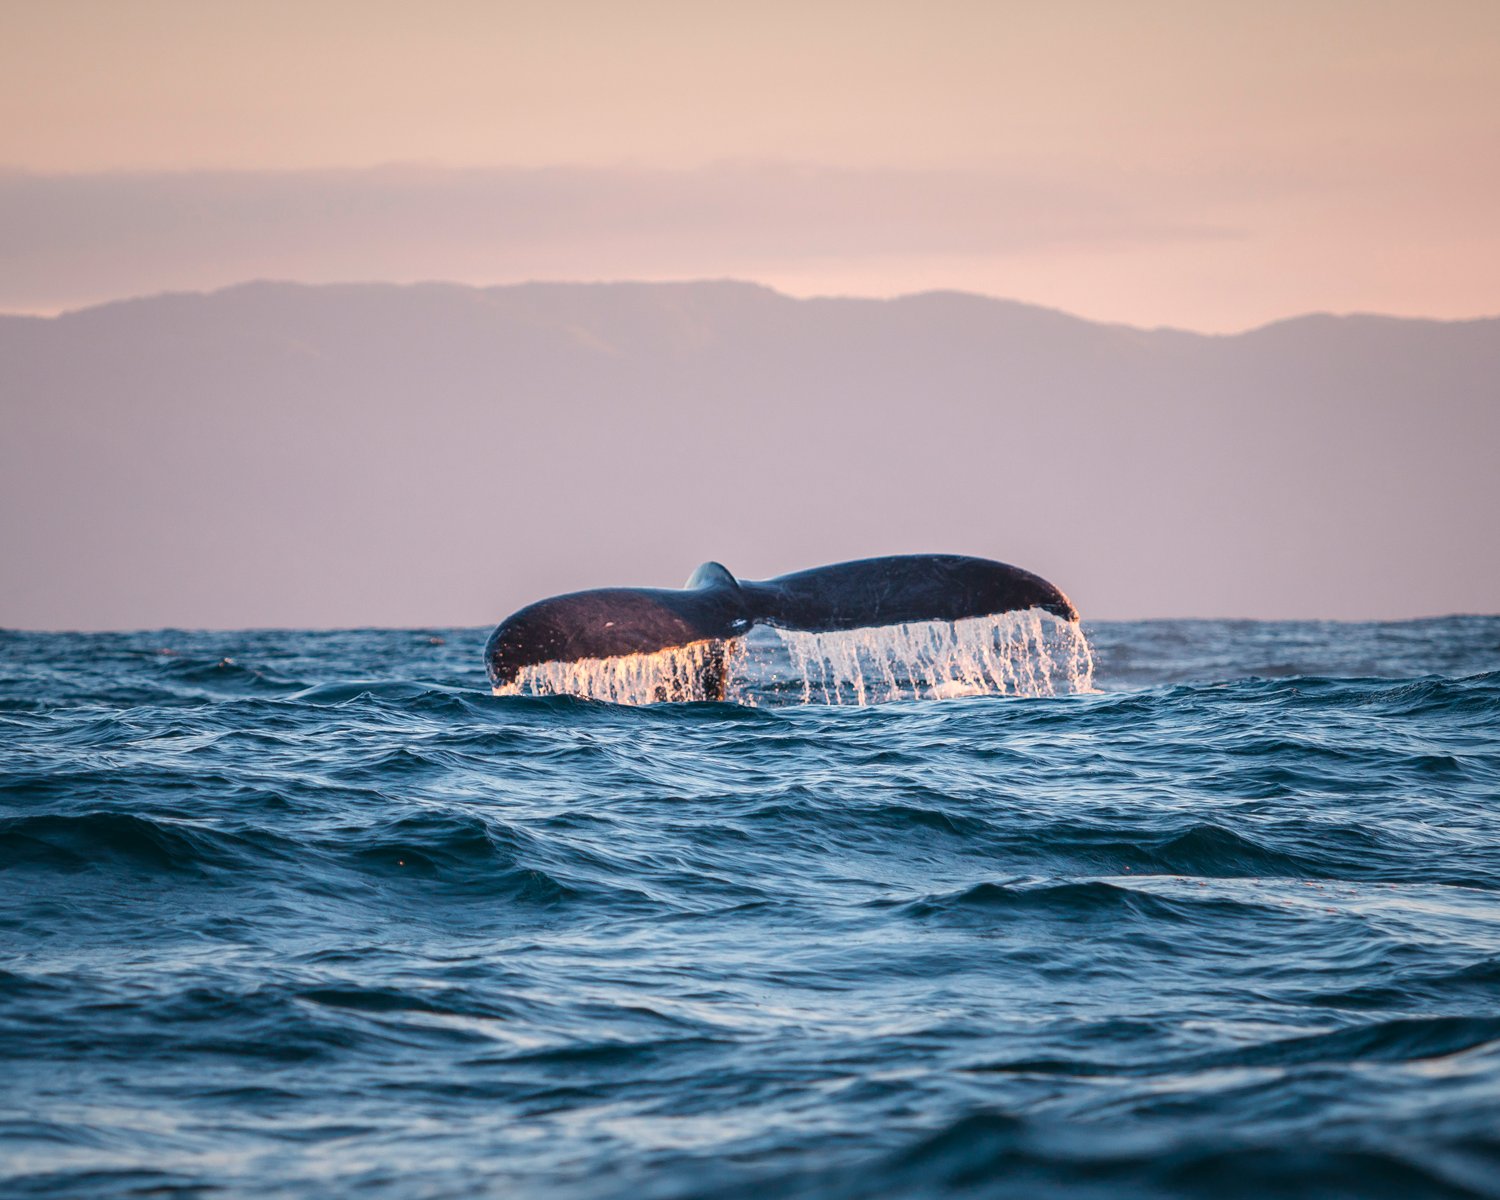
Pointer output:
x,y
282,455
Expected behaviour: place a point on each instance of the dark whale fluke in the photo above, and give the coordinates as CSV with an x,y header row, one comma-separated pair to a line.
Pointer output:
x,y
715,607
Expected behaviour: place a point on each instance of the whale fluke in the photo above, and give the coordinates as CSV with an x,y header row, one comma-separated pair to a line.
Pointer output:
x,y
714,608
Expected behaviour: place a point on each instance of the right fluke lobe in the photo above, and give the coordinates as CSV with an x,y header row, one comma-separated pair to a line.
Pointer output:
x,y
900,589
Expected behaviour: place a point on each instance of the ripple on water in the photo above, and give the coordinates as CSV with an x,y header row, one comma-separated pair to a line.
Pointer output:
x,y
304,913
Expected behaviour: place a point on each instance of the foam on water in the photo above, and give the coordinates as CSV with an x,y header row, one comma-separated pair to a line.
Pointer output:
x,y
1029,653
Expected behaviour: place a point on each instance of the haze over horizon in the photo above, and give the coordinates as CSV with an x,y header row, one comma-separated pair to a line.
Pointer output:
x,y
1167,165
287,455
272,281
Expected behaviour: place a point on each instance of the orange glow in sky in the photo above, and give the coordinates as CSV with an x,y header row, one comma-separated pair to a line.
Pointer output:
x,y
1212,166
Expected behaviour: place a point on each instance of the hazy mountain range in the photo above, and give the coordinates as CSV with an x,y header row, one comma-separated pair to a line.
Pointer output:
x,y
274,454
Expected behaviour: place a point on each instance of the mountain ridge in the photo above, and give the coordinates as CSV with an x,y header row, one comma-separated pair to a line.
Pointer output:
x,y
288,286
295,455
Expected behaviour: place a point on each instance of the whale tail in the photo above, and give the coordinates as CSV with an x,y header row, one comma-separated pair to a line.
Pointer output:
x,y
715,608
901,589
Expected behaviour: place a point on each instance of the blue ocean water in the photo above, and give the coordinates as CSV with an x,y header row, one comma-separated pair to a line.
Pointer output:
x,y
305,914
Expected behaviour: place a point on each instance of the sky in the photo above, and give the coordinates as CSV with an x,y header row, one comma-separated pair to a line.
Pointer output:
x,y
1209,166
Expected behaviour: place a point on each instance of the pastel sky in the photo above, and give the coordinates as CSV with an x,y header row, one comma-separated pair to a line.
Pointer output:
x,y
1207,165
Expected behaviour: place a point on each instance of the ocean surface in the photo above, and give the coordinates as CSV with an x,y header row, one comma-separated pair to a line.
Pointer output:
x,y
314,914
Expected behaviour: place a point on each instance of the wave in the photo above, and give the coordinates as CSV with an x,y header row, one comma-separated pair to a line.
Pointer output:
x,y
998,1155
1395,1040
77,842
1086,902
332,918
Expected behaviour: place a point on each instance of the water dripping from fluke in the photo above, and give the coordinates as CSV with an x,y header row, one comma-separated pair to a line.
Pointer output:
x,y
1030,653
676,675
906,626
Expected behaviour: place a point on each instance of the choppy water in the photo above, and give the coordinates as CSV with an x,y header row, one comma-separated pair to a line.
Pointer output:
x,y
297,914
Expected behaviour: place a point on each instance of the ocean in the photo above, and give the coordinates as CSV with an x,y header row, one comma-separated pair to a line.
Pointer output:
x,y
305,913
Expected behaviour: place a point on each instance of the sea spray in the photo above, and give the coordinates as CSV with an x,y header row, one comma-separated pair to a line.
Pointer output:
x,y
1029,653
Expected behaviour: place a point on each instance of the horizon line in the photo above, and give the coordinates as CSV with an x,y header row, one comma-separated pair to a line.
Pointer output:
x,y
13,630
